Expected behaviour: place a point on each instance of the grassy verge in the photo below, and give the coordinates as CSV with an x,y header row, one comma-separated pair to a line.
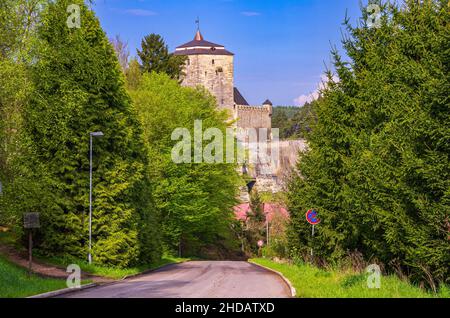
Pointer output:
x,y
6,238
109,271
15,282
312,282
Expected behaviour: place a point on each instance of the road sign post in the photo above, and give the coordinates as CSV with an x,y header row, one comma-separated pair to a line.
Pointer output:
x,y
313,219
30,222
260,245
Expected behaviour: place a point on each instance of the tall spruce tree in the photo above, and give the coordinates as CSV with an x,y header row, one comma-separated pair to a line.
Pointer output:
x,y
378,169
155,57
79,88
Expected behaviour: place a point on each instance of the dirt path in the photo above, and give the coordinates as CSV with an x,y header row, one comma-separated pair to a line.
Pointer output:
x,y
20,258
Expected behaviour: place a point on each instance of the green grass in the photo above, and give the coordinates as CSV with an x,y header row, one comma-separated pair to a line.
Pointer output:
x,y
109,271
15,282
312,282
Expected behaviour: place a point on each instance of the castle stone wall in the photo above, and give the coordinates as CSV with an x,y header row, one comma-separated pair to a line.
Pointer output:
x,y
254,116
215,73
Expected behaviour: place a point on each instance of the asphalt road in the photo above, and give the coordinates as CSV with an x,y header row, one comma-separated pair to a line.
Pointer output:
x,y
222,279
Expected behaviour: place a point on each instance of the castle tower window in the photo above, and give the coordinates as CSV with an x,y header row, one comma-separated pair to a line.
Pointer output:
x,y
213,62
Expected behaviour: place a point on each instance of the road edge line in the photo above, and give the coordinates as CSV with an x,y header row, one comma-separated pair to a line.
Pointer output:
x,y
287,281
63,291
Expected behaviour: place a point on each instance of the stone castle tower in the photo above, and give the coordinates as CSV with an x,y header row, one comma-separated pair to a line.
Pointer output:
x,y
212,66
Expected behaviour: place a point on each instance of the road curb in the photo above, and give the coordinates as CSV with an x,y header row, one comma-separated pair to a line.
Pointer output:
x,y
291,287
63,291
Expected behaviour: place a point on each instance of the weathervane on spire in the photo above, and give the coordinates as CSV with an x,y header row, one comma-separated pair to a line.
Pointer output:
x,y
198,23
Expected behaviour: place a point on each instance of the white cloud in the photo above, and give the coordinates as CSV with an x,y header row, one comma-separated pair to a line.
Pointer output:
x,y
308,98
250,13
140,12
303,99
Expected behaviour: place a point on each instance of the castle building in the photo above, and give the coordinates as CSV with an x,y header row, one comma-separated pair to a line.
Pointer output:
x,y
212,66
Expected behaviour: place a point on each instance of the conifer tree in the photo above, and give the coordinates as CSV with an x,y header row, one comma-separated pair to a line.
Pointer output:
x,y
155,57
79,88
378,169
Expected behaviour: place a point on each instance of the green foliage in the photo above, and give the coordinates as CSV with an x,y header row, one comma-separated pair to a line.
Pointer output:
x,y
155,57
79,88
378,169
195,199
133,75
16,30
294,122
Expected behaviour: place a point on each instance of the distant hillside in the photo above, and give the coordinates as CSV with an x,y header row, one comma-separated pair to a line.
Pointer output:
x,y
294,122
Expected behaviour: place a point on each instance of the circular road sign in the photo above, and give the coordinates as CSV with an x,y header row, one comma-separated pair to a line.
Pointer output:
x,y
312,217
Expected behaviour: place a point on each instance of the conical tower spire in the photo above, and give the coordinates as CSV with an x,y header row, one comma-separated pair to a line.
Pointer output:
x,y
198,36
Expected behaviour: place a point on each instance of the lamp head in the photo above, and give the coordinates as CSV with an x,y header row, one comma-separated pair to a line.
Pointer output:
x,y
97,134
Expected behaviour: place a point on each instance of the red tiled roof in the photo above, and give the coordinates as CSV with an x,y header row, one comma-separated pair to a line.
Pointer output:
x,y
242,211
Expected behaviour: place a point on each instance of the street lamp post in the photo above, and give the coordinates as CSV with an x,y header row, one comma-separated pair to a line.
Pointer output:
x,y
91,135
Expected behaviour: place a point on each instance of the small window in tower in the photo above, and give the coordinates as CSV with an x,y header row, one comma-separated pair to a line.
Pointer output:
x,y
219,69
213,62
222,101
188,62
206,73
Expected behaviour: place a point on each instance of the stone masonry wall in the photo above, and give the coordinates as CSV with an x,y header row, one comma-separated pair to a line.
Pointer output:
x,y
253,116
215,73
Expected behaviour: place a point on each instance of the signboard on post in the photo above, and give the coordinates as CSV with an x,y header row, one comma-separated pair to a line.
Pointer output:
x,y
313,219
30,222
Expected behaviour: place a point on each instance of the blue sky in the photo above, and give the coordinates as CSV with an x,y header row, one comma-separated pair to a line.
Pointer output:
x,y
281,46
